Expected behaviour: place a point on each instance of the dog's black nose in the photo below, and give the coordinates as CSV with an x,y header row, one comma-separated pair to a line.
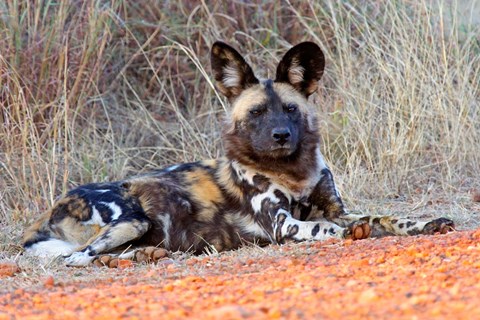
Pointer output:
x,y
281,135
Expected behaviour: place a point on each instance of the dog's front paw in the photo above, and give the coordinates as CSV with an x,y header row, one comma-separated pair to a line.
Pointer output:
x,y
150,254
106,260
440,225
79,259
358,230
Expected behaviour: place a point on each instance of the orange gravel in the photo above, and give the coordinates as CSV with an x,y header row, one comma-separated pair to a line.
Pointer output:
x,y
403,278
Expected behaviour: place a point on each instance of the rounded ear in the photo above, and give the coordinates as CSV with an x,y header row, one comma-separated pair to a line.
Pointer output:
x,y
302,66
232,73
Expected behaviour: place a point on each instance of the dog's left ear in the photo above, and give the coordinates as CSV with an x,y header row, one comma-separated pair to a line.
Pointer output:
x,y
232,73
302,66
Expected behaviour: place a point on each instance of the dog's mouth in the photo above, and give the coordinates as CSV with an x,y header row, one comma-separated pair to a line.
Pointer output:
x,y
285,148
276,151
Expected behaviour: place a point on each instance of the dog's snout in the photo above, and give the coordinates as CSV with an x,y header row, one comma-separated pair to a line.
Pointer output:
x,y
281,135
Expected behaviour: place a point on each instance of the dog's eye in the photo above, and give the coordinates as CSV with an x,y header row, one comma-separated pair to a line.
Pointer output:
x,y
256,112
291,107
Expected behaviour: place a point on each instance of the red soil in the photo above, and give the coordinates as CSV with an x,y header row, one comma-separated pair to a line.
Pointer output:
x,y
421,277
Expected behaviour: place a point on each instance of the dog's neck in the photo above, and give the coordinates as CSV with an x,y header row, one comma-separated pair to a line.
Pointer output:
x,y
298,177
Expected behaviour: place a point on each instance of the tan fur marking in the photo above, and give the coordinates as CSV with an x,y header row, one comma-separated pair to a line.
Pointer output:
x,y
249,98
73,231
216,50
212,163
75,206
119,233
312,87
205,192
225,180
288,94
294,186
99,233
147,191
295,73
231,78
69,228
387,224
39,225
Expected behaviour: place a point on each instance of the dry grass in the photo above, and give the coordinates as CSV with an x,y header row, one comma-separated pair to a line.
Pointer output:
x,y
97,90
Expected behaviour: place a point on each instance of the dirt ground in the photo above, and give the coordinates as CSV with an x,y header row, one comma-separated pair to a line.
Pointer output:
x,y
422,277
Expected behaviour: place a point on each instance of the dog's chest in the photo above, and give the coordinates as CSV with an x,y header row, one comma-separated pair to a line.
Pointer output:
x,y
265,193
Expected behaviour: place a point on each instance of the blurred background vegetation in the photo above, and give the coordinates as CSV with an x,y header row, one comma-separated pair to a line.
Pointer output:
x,y
98,90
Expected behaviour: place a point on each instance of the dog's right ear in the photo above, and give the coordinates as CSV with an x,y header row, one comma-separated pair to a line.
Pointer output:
x,y
302,66
232,73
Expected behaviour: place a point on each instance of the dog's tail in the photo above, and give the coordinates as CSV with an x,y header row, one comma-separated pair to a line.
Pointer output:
x,y
41,240
61,230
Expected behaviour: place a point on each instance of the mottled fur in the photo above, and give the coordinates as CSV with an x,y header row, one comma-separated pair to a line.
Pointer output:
x,y
273,184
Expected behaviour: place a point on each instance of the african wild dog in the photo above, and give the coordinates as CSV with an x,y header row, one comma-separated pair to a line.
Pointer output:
x,y
272,185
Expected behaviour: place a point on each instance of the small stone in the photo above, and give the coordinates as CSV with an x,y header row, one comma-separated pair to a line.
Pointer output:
x,y
8,269
368,296
123,263
49,282
166,262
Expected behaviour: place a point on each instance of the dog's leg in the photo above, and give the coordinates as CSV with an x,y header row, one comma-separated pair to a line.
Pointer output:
x,y
326,199
110,237
330,206
388,225
286,227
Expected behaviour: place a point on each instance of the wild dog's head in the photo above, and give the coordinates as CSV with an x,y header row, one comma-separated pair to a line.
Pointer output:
x,y
271,120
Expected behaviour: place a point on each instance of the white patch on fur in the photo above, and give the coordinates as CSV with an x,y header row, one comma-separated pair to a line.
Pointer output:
x,y
337,193
79,259
116,210
184,237
171,168
166,223
96,218
296,72
320,160
305,229
258,199
231,77
51,248
101,190
243,173
280,211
